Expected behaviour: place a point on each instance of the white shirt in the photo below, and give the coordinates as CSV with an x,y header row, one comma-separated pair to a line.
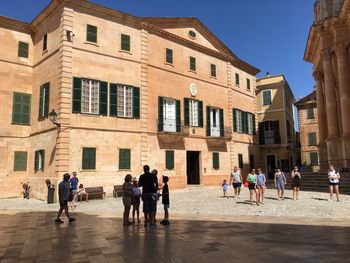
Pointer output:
x,y
333,174
236,176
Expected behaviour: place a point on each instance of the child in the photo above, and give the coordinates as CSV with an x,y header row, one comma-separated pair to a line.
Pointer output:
x,y
165,200
136,193
80,193
224,188
127,198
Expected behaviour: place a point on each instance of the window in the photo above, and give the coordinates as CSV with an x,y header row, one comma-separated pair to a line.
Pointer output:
x,y
289,131
125,101
45,42
193,113
215,122
23,49
238,120
125,42
216,161
124,158
21,108
169,160
89,158
20,161
192,63
44,100
240,161
213,70
39,160
91,33
90,96
312,139
314,158
250,123
192,34
237,79
169,56
169,115
248,84
269,132
310,113
267,97
243,122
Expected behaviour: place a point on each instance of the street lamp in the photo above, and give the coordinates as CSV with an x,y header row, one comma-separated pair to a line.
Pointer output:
x,y
53,118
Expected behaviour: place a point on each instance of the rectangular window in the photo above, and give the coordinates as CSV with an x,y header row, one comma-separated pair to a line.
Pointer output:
x,y
125,42
267,97
248,84
193,113
45,42
91,33
23,49
213,70
314,158
310,113
193,63
237,79
312,139
39,160
124,158
239,121
216,161
250,123
169,160
90,96
21,108
89,158
124,101
20,161
44,100
169,56
240,161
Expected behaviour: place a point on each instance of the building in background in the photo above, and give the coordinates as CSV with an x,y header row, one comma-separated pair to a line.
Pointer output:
x,y
308,128
327,49
275,103
127,91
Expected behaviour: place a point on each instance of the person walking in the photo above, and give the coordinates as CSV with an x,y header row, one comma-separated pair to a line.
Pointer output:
x,y
251,179
236,181
280,182
127,198
74,187
149,183
333,177
63,195
261,182
296,177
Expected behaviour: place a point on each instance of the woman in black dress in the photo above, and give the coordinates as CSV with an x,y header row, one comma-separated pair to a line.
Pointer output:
x,y
296,177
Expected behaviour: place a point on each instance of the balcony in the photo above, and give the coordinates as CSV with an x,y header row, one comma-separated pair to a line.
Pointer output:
x,y
216,136
170,131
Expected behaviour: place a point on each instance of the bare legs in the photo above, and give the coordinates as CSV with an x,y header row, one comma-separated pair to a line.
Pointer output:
x,y
136,208
331,188
295,193
126,214
237,192
261,194
251,192
65,208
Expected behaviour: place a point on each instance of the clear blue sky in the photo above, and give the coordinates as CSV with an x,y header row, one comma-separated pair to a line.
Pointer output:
x,y
269,34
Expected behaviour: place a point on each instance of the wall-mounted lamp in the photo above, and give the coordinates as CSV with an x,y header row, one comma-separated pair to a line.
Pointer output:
x,y
69,35
53,118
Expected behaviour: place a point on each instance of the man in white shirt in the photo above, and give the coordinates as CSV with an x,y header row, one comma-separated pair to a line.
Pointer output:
x,y
236,181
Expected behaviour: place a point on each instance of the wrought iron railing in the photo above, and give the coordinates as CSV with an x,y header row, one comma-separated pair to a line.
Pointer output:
x,y
173,126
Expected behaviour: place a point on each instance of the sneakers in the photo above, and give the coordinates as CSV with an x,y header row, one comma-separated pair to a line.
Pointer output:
x,y
58,221
71,220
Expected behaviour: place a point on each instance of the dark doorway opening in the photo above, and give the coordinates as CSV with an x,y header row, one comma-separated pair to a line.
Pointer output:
x,y
271,165
193,167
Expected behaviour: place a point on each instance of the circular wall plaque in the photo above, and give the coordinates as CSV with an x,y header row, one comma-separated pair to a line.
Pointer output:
x,y
193,89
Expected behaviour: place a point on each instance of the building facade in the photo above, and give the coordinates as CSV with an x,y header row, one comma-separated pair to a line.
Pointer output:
x,y
277,142
127,91
308,128
328,50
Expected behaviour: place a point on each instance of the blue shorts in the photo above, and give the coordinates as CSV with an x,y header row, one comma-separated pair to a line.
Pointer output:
x,y
280,185
149,203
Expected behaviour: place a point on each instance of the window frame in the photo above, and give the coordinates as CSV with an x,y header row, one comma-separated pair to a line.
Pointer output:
x,y
45,37
213,70
21,113
248,84
44,105
90,96
308,113
312,139
16,166
87,166
191,113
216,160
125,41
170,164
91,37
125,101
264,102
23,49
240,161
315,155
39,164
193,64
237,79
239,121
169,56
124,163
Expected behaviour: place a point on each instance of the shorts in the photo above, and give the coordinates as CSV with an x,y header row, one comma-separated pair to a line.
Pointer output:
x,y
295,184
149,203
127,200
63,203
334,184
136,200
251,186
280,185
237,185
260,186
166,206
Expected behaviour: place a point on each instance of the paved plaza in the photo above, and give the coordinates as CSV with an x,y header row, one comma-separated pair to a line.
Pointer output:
x,y
28,234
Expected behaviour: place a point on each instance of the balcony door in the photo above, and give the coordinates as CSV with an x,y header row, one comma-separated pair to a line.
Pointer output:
x,y
169,115
214,122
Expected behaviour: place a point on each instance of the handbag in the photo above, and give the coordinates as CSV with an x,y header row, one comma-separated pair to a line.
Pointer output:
x,y
246,184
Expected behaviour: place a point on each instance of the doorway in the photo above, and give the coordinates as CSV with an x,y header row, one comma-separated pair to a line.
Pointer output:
x,y
192,158
270,165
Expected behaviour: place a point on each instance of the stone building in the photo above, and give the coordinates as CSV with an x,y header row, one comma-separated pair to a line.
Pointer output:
x,y
328,50
308,127
127,91
277,142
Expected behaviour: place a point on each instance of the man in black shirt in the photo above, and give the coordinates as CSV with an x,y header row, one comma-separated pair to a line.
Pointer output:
x,y
149,183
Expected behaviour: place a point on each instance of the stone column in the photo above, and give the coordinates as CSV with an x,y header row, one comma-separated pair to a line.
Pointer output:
x,y
322,121
343,63
333,139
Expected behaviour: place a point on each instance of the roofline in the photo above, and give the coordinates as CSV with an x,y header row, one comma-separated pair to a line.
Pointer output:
x,y
300,101
275,76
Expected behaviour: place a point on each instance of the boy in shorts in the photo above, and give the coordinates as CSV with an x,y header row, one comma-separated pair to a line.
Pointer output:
x,y
236,180
165,200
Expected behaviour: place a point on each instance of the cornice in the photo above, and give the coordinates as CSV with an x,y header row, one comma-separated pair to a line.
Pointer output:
x,y
16,25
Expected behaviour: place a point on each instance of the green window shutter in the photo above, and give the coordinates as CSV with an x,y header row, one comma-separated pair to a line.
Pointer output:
x,y
103,98
310,113
169,160
89,158
267,97
20,161
160,114
245,114
91,33
213,70
200,113
76,95
277,132
193,63
16,108
254,128
240,161
44,100
261,133
237,78
216,161
314,158
125,42
312,139
113,99
208,121
26,101
186,111
136,102
36,161
234,113
169,56
178,116
222,128
23,49
47,99
21,108
42,152
124,158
